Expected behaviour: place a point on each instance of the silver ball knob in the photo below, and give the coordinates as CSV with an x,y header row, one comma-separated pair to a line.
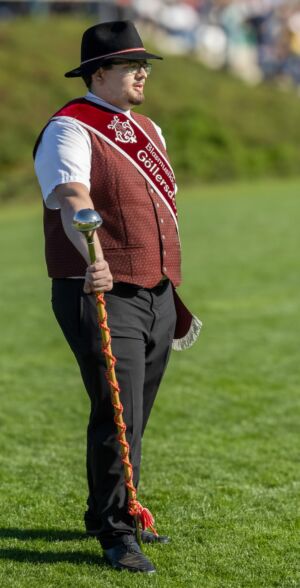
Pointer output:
x,y
86,220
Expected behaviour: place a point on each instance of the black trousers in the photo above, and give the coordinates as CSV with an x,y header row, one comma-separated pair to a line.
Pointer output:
x,y
142,323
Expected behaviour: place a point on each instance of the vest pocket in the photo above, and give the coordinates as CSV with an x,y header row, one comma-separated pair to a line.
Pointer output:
x,y
120,260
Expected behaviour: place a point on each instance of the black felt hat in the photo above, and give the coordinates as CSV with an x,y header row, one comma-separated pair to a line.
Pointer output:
x,y
106,41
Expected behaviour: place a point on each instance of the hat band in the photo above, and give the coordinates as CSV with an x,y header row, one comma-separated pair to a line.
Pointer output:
x,y
115,53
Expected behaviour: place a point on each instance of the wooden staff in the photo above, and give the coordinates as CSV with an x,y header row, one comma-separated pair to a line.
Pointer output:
x,y
87,221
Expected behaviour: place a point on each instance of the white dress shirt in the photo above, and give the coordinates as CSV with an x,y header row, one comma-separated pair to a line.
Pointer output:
x,y
64,153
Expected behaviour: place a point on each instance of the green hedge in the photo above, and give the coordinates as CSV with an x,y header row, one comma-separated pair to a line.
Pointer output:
x,y
216,128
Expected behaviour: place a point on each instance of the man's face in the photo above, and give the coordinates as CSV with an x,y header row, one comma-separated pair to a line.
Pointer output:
x,y
123,84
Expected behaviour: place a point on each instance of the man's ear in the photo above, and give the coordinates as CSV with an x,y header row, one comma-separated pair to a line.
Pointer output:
x,y
99,73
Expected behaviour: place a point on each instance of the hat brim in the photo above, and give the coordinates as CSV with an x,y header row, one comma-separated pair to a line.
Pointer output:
x,y
92,65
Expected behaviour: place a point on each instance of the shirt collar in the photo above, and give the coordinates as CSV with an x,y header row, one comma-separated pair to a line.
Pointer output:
x,y
97,100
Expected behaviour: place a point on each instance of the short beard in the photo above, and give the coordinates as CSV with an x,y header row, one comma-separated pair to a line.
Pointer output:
x,y
136,100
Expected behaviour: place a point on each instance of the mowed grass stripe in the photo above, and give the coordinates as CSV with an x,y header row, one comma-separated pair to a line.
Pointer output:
x,y
221,454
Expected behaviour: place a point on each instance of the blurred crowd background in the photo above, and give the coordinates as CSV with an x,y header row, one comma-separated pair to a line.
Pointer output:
x,y
254,39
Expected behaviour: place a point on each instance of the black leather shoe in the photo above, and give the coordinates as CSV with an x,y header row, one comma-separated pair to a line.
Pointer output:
x,y
148,537
128,556
92,530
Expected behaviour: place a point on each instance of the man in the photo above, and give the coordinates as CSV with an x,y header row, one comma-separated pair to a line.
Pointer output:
x,y
95,153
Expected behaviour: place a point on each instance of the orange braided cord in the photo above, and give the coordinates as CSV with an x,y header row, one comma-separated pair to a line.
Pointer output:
x,y
135,509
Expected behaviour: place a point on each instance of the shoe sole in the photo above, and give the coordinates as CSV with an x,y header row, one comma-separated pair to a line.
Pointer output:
x,y
121,568
132,570
160,541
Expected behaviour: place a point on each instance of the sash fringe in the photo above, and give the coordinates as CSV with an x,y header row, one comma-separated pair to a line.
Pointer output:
x,y
190,338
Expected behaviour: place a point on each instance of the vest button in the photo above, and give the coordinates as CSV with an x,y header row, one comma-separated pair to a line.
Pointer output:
x,y
163,237
162,221
157,204
164,252
164,268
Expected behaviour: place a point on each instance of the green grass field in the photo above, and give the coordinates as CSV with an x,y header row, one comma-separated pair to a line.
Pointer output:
x,y
221,454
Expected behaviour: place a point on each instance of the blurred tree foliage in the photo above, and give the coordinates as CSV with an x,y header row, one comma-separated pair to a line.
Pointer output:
x,y
216,128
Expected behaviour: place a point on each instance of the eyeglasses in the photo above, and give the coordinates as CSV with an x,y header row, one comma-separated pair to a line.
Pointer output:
x,y
133,67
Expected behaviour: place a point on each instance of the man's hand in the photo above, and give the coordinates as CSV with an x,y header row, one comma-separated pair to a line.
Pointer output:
x,y
98,277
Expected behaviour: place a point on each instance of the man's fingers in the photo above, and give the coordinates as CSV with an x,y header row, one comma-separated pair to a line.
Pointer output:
x,y
93,289
103,284
98,277
88,289
98,266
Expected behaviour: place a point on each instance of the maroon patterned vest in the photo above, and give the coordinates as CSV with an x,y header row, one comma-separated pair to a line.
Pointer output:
x,y
138,236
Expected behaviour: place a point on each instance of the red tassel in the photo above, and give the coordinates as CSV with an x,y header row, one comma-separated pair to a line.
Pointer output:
x,y
146,518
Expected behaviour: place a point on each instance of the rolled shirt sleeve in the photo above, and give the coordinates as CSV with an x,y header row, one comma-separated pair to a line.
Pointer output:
x,y
64,155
